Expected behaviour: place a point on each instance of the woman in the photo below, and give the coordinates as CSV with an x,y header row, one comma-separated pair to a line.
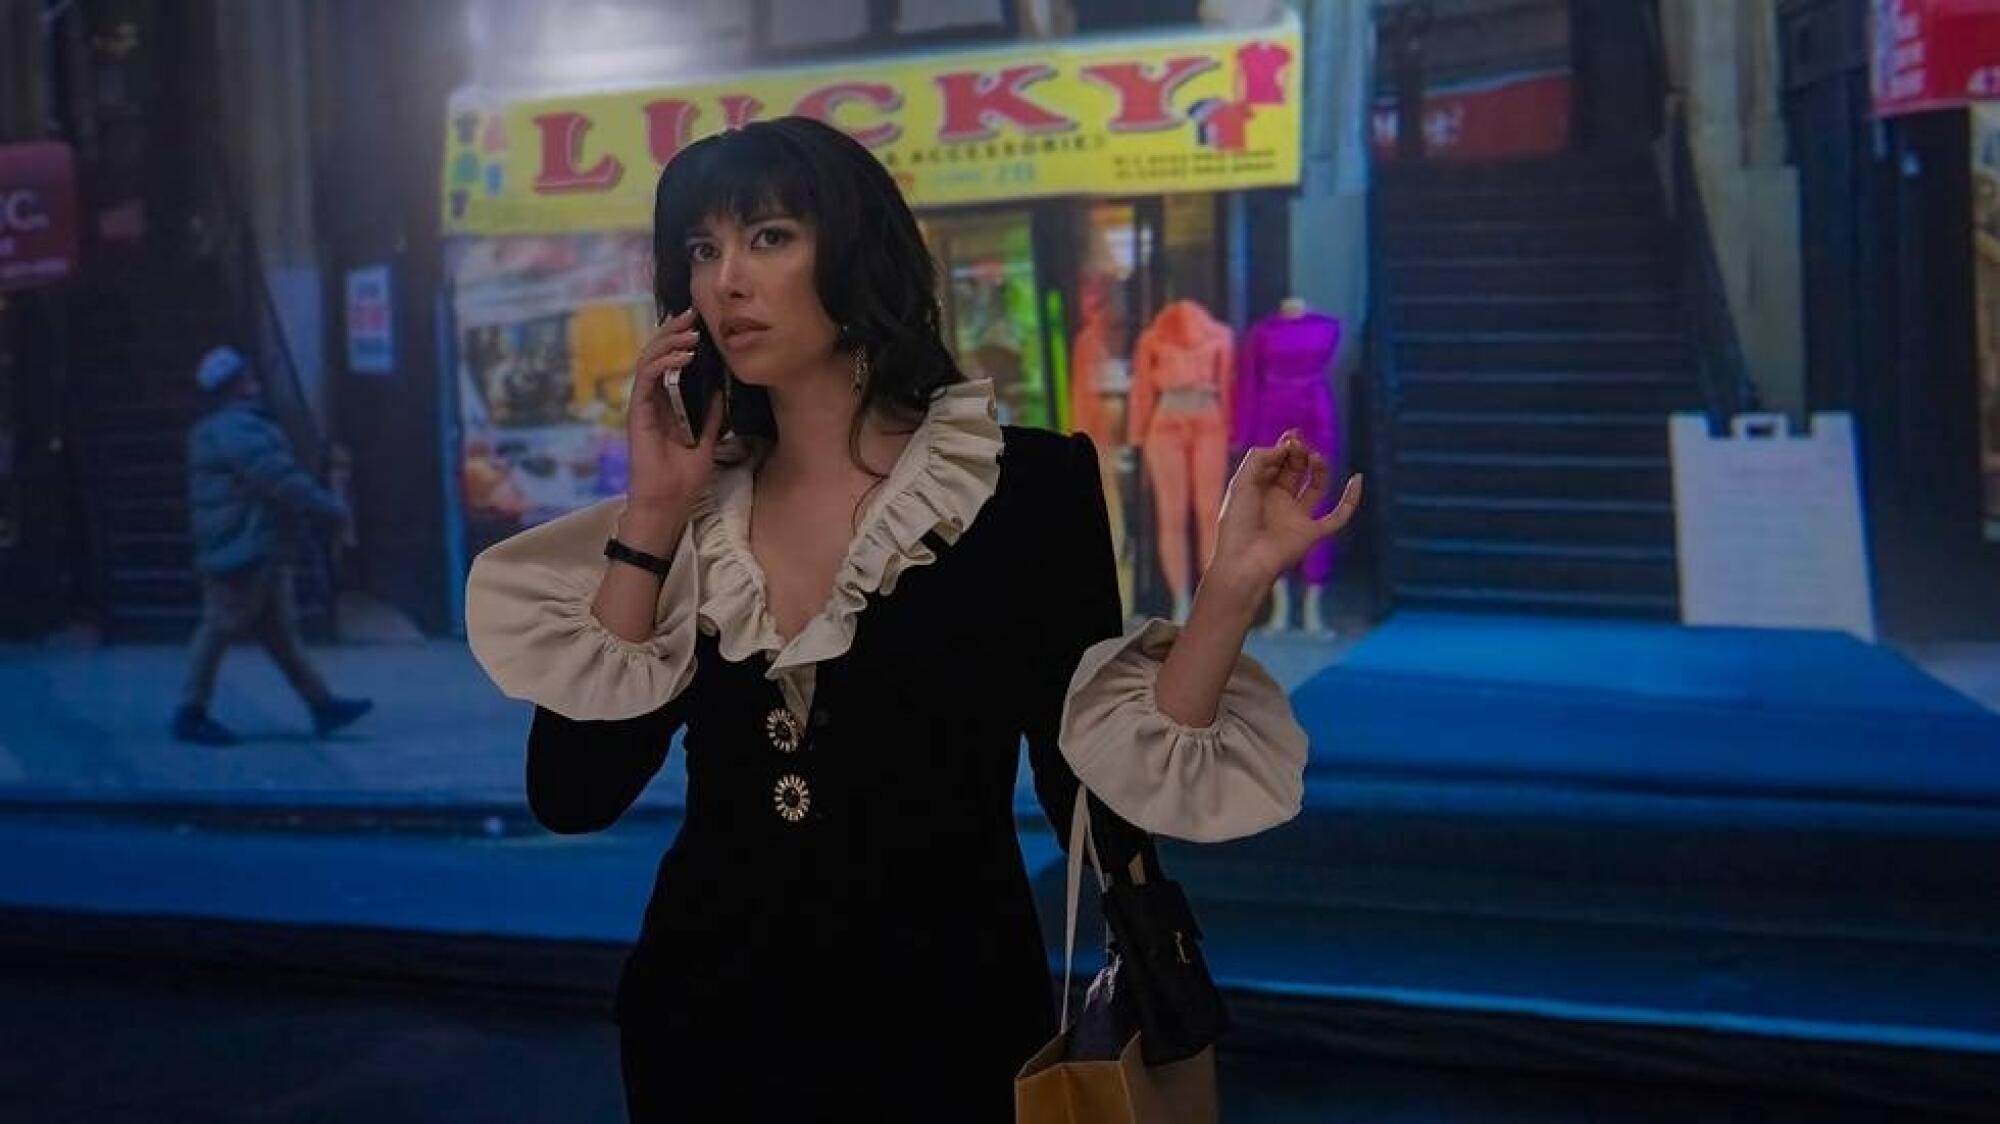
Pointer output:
x,y
855,614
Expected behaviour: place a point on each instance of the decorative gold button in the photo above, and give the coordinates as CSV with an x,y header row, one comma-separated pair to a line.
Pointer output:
x,y
782,727
793,798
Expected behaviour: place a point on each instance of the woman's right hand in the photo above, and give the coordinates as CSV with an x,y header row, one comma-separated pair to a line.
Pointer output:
x,y
667,472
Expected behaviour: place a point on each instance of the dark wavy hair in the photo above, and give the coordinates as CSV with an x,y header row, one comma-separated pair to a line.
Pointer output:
x,y
875,276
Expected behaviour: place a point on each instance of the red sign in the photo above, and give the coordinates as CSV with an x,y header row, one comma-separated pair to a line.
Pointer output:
x,y
1511,115
37,214
1934,54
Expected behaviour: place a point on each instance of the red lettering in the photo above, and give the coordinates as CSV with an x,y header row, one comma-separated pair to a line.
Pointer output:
x,y
972,97
825,102
670,122
1143,99
739,110
668,125
562,148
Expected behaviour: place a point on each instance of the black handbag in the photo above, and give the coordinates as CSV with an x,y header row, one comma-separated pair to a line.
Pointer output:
x,y
1162,976
1156,976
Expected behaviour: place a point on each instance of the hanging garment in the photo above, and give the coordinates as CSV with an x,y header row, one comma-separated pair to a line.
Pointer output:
x,y
1283,383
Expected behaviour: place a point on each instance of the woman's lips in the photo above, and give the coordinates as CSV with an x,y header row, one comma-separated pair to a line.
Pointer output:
x,y
738,336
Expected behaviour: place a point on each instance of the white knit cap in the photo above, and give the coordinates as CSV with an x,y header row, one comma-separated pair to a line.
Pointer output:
x,y
218,367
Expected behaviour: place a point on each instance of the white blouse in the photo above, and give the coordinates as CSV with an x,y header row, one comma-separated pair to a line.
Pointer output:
x,y
530,625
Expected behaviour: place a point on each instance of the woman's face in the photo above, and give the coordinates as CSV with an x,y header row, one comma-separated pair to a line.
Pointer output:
x,y
754,289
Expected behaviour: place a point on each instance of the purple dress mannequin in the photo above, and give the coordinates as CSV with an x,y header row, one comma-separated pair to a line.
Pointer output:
x,y
1282,381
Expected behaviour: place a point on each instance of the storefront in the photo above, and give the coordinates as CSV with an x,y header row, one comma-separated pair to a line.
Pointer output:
x,y
1889,110
1072,191
38,247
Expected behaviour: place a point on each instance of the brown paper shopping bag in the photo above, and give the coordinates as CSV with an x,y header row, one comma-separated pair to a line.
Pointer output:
x,y
1065,1084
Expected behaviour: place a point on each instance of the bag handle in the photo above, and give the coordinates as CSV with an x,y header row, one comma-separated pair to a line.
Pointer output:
x,y
1080,841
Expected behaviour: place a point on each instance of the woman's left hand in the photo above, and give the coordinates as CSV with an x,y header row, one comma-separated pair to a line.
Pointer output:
x,y
1267,521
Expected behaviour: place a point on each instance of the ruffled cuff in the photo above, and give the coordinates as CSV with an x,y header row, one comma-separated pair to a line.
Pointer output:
x,y
1242,774
529,621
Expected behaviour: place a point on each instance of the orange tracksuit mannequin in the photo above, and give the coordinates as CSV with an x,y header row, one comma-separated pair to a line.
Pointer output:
x,y
1088,414
1182,372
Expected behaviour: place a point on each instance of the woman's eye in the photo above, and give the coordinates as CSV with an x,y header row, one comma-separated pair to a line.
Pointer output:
x,y
772,236
700,251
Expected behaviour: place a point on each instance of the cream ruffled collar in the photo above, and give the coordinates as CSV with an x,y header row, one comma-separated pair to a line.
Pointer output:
x,y
943,477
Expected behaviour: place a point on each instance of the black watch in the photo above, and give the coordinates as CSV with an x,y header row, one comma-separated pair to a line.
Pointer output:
x,y
619,552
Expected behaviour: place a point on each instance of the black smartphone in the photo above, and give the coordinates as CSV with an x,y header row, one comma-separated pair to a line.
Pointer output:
x,y
692,389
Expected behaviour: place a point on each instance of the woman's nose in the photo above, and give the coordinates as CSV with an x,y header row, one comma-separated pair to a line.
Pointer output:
x,y
729,274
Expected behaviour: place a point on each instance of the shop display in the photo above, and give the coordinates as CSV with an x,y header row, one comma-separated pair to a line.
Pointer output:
x,y
1183,371
548,329
993,311
1283,382
1057,250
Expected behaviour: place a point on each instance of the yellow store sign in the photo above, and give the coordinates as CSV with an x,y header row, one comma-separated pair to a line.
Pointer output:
x,y
1195,112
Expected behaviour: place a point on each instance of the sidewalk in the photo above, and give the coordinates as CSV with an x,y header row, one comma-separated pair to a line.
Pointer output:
x,y
91,725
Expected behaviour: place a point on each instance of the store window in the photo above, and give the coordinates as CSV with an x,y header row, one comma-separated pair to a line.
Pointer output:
x,y
992,305
1117,289
923,17
804,24
555,44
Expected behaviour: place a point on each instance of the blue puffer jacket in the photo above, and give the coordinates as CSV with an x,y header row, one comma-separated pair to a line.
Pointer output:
x,y
245,491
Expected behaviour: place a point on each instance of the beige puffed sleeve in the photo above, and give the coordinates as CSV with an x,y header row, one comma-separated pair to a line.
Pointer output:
x,y
1242,774
529,621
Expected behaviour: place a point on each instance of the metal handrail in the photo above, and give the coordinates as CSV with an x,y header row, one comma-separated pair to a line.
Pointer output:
x,y
262,329
1725,375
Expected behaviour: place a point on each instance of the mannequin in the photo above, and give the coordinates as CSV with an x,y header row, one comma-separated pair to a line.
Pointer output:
x,y
1282,384
1092,366
1182,385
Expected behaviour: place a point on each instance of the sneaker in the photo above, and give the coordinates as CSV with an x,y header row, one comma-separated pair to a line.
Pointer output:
x,y
192,724
338,714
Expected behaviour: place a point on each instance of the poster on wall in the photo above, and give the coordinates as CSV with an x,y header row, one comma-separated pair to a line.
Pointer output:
x,y
1986,300
547,330
371,322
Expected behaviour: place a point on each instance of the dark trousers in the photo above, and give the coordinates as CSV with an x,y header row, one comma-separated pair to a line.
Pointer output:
x,y
256,603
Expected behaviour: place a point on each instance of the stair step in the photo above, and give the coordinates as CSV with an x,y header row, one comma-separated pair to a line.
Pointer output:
x,y
1586,477
1505,432
1536,519
152,573
1495,548
128,441
1534,420
1585,200
1652,311
1562,171
145,503
1553,567
1581,602
129,416
1579,392
1588,237
1576,275
1536,351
